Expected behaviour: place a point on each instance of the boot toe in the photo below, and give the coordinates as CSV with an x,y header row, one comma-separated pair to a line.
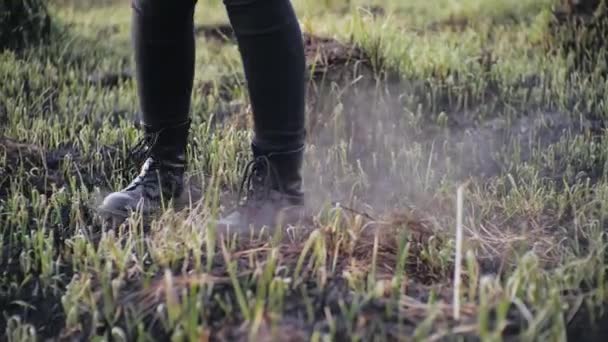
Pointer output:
x,y
118,203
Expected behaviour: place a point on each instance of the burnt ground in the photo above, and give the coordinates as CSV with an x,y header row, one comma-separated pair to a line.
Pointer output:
x,y
31,296
334,65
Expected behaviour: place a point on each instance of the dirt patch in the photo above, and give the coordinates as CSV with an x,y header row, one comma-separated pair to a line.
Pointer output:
x,y
43,169
28,157
329,56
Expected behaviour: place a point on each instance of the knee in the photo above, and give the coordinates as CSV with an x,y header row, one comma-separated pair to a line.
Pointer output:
x,y
259,16
163,21
164,8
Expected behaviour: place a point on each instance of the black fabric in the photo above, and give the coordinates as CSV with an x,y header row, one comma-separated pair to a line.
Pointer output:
x,y
270,42
163,39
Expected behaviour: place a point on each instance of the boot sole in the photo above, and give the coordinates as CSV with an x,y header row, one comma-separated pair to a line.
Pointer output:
x,y
117,217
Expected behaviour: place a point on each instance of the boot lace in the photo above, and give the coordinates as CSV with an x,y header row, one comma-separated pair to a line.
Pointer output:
x,y
144,147
141,153
257,182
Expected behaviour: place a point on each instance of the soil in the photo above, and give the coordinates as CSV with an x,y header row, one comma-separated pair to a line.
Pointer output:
x,y
23,156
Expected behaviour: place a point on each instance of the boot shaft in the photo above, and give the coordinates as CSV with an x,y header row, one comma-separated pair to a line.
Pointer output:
x,y
167,144
286,171
165,159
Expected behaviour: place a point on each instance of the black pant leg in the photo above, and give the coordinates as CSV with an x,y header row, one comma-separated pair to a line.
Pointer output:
x,y
163,39
271,46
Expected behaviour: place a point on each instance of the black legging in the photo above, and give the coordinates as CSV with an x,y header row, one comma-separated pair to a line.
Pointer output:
x,y
270,42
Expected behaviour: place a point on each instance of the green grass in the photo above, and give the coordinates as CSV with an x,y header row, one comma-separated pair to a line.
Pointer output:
x,y
452,92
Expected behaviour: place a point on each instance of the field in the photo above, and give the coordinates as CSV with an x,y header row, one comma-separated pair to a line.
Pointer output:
x,y
408,101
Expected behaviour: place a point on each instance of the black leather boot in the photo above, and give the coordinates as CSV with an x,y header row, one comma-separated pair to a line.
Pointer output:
x,y
272,189
161,177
